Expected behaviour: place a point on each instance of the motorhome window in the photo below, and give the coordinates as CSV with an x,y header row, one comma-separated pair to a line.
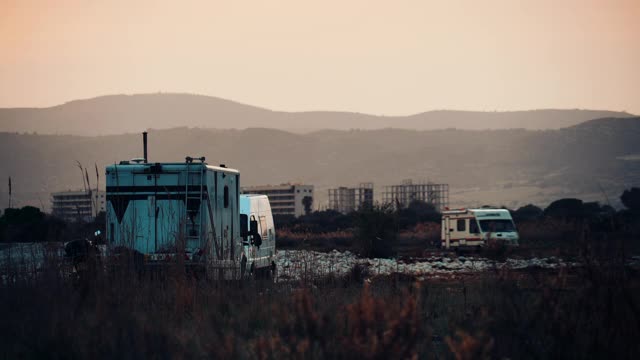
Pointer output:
x,y
462,225
497,225
226,197
473,226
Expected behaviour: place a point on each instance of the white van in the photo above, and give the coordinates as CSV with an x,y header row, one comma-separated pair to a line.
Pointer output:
x,y
477,227
258,233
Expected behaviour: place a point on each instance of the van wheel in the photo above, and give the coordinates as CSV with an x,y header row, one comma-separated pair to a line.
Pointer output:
x,y
265,273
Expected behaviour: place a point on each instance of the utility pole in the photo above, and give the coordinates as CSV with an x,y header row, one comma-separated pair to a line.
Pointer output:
x,y
9,192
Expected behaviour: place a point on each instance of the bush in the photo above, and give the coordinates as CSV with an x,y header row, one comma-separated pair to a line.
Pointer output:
x,y
29,224
123,313
567,209
376,231
527,213
417,212
315,222
631,199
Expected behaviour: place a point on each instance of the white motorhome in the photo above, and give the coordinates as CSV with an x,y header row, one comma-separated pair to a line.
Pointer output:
x,y
259,249
477,228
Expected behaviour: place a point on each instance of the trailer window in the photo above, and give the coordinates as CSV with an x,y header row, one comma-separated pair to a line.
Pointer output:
x,y
462,225
226,197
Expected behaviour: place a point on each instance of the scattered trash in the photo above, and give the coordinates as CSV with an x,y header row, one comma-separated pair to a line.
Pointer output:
x,y
297,264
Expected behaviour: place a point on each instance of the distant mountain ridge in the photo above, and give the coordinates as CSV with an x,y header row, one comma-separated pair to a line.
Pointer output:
x,y
498,167
119,114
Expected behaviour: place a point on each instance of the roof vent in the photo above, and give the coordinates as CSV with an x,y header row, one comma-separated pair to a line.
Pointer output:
x,y
190,159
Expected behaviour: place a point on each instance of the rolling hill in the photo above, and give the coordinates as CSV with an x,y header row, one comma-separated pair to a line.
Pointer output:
x,y
119,114
500,167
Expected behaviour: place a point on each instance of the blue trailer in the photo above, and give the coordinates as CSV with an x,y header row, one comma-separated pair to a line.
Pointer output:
x,y
189,209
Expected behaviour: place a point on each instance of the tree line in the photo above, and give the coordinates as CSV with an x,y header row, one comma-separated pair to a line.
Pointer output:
x,y
30,224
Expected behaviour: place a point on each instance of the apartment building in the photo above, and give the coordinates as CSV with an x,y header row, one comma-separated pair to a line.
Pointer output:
x,y
78,205
285,199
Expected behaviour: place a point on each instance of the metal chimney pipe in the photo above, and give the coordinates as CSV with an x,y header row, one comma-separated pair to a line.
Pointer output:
x,y
144,144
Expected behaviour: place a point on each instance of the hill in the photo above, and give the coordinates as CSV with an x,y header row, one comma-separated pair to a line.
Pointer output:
x,y
118,114
500,167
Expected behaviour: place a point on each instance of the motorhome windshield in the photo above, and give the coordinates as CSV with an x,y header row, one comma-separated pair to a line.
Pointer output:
x,y
497,225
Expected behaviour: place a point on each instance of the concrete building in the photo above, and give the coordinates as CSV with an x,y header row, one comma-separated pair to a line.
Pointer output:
x,y
78,205
403,194
346,199
285,199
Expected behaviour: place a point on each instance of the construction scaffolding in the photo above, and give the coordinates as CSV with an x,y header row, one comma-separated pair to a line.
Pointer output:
x,y
346,199
402,195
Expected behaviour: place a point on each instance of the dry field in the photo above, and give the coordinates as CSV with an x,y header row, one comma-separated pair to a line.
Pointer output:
x,y
585,310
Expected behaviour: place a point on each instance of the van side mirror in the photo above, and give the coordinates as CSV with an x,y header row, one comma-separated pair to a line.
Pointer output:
x,y
253,227
256,239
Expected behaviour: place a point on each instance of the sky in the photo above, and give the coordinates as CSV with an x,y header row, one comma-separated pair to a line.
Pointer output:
x,y
379,57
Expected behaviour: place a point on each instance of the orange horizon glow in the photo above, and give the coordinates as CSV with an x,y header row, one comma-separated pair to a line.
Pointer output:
x,y
379,57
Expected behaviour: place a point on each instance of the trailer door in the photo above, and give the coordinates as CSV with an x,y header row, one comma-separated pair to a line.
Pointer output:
x,y
142,217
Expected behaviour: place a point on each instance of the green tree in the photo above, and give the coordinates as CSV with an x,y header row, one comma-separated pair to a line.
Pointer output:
x,y
27,224
527,213
565,209
307,202
631,199
376,230
418,211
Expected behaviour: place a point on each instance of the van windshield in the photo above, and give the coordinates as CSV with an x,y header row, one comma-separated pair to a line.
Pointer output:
x,y
497,225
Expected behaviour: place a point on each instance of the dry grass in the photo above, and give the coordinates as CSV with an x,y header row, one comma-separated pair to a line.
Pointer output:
x,y
341,240
119,312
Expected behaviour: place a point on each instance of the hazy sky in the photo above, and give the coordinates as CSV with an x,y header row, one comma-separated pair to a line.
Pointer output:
x,y
380,57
